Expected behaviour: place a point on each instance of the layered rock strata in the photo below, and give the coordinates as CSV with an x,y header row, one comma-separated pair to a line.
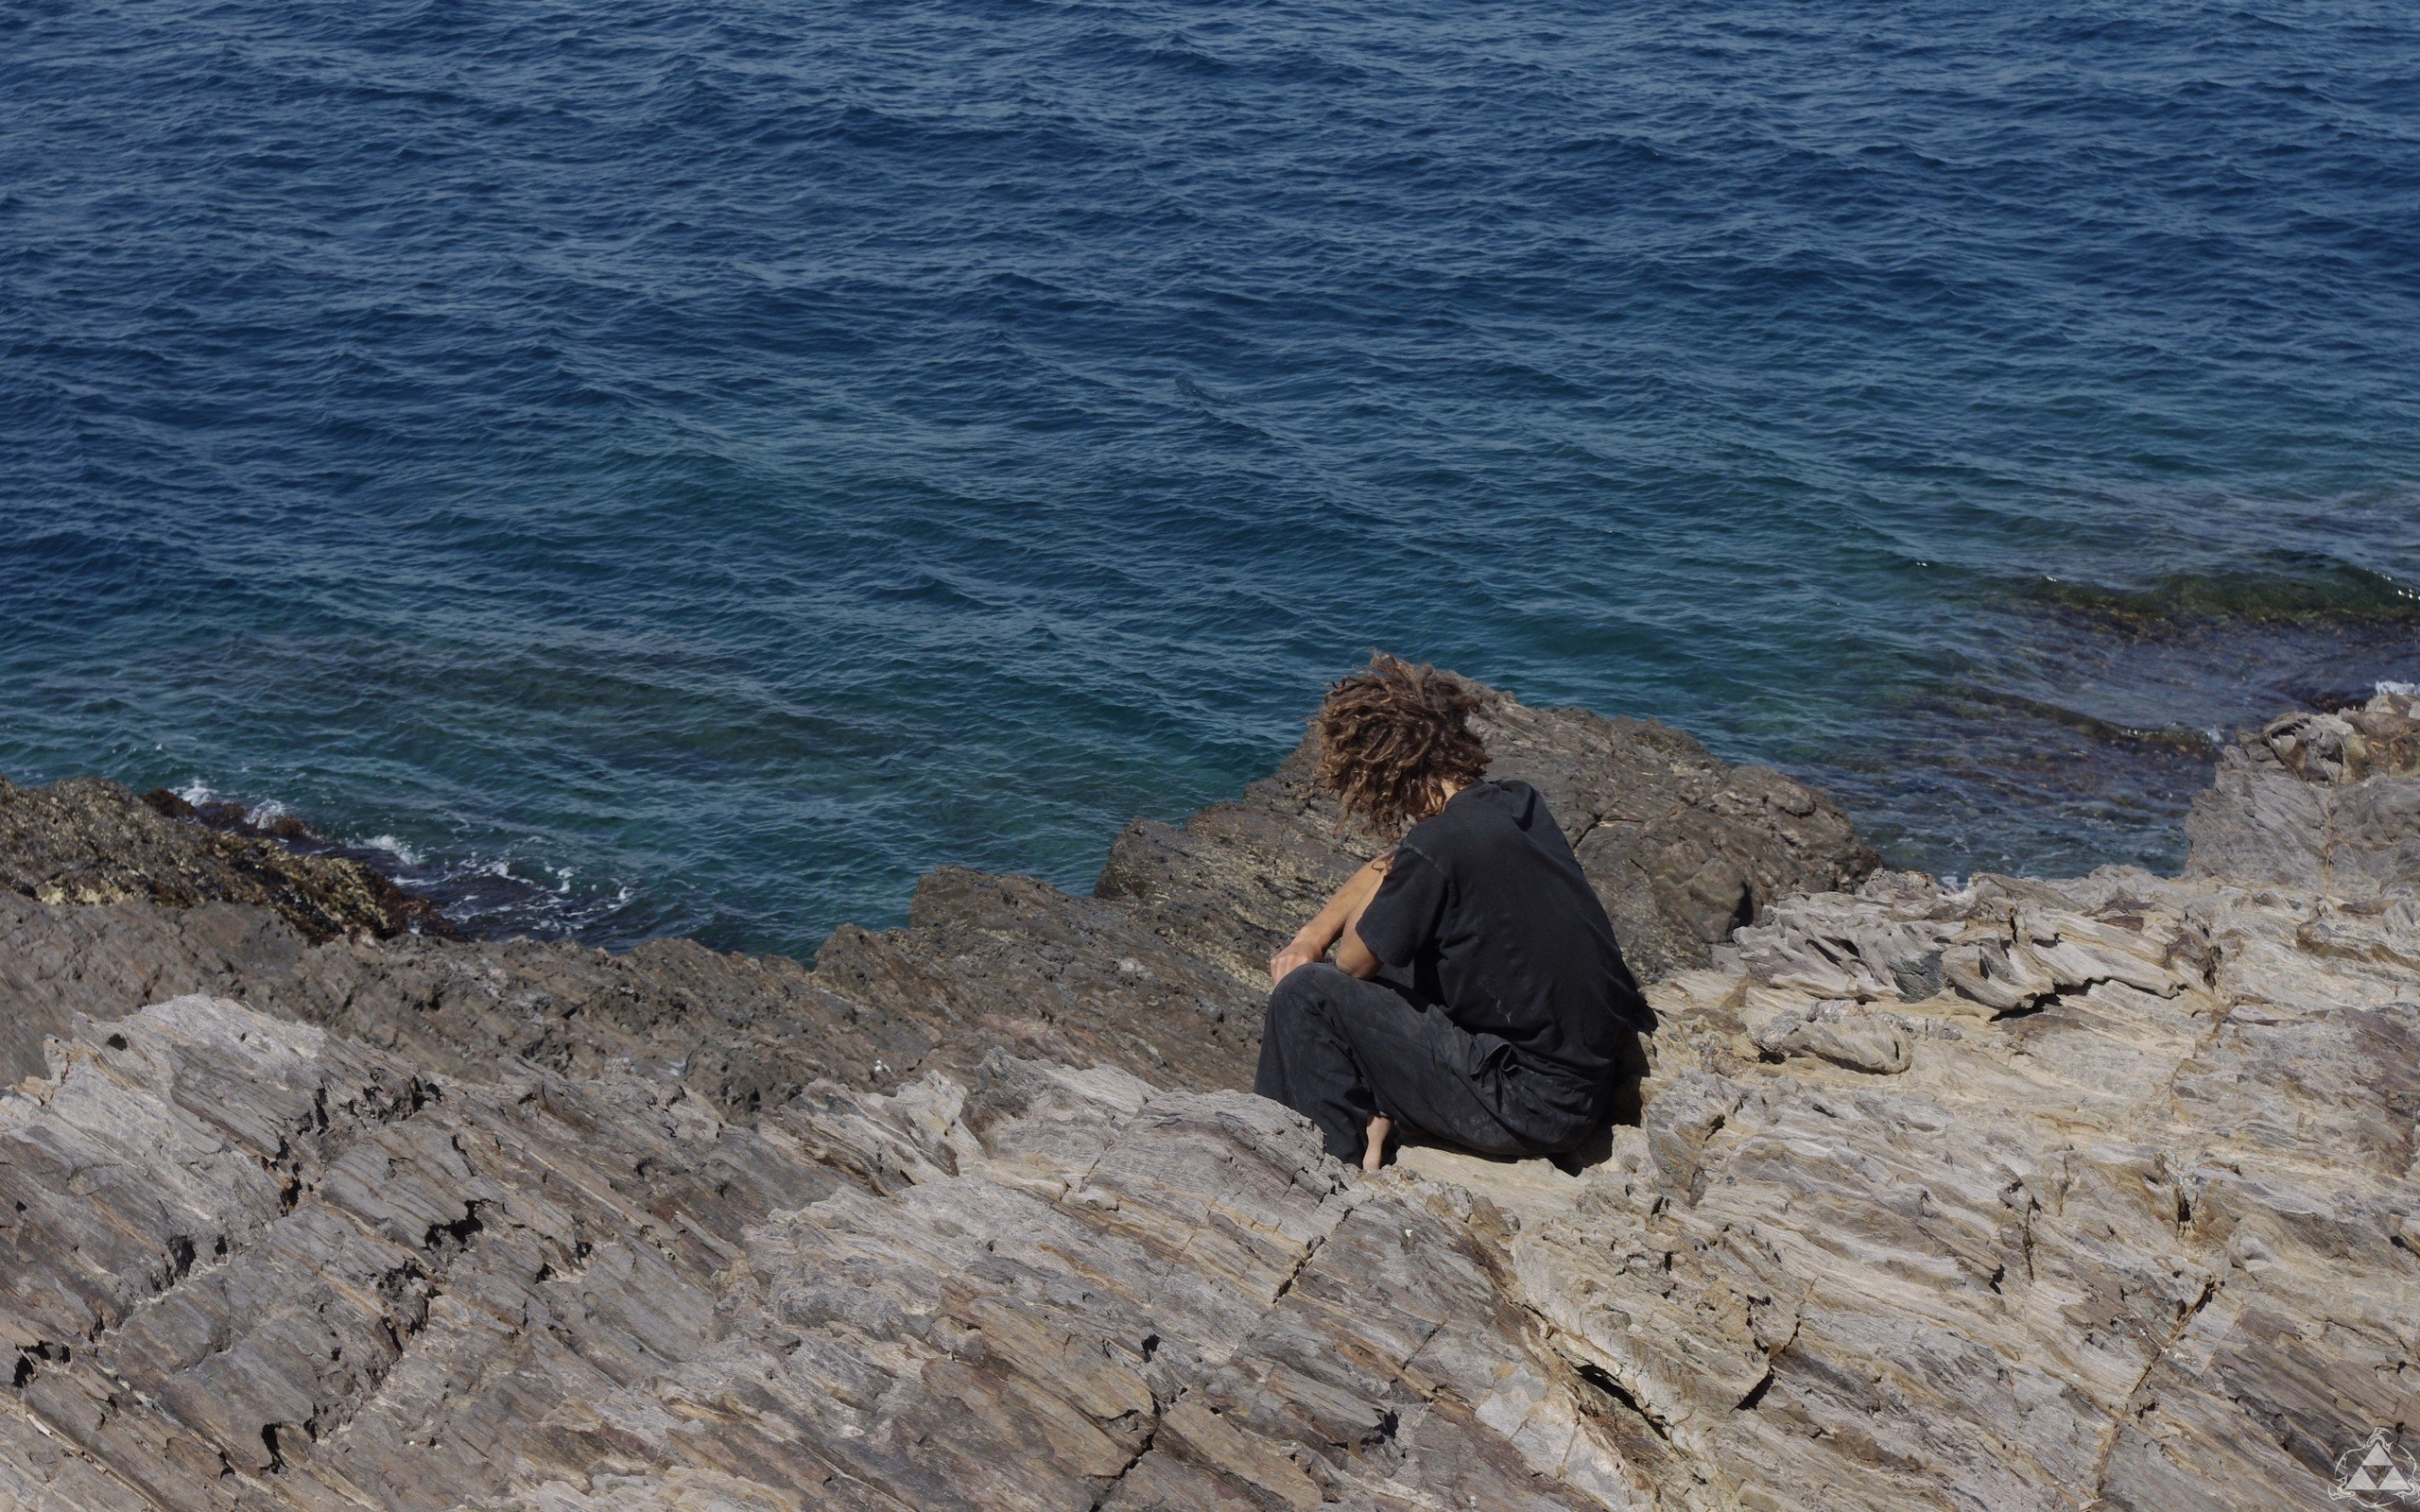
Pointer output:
x,y
2097,1192
255,1265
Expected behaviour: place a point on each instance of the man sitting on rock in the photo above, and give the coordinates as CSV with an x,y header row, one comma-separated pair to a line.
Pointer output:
x,y
1479,996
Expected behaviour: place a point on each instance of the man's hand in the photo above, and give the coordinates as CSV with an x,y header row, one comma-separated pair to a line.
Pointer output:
x,y
1297,952
1333,925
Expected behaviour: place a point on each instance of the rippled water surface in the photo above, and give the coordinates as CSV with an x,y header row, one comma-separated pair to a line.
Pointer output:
x,y
691,468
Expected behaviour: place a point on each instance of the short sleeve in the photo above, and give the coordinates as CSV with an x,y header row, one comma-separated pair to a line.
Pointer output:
x,y
1401,920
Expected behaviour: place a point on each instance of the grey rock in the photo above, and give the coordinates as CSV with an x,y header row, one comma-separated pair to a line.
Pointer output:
x,y
1840,1033
251,1265
738,1028
2132,1246
2328,801
2094,1193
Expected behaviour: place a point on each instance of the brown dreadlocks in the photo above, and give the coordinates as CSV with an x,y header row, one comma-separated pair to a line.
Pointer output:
x,y
1392,735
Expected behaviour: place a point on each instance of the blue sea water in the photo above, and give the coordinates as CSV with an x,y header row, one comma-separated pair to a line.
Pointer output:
x,y
656,467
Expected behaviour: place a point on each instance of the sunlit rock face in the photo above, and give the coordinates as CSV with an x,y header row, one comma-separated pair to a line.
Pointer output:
x,y
2018,1194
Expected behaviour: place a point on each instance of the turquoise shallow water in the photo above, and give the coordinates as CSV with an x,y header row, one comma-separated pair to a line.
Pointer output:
x,y
693,468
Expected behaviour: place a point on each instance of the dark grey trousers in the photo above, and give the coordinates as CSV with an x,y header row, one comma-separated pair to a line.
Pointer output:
x,y
1340,1051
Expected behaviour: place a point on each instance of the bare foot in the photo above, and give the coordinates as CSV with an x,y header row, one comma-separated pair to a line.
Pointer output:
x,y
1373,1152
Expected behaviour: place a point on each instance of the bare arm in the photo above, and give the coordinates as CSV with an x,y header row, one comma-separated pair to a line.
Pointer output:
x,y
1333,926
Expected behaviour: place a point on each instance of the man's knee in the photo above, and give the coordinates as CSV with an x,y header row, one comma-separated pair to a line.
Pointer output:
x,y
1308,995
1306,991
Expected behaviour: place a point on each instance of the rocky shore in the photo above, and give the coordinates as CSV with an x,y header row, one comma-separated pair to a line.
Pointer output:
x,y
2096,1193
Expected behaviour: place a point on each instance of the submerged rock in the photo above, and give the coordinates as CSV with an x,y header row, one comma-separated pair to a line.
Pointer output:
x,y
2097,1193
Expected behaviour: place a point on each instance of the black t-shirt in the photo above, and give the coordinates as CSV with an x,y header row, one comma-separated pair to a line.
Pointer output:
x,y
1487,908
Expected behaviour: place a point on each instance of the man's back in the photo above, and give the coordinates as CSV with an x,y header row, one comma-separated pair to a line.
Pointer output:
x,y
1486,907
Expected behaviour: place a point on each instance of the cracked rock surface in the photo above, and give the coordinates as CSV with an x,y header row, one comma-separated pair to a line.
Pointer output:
x,y
250,1263
2097,1193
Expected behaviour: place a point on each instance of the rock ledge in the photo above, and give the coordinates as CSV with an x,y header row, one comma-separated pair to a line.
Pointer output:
x,y
2097,1192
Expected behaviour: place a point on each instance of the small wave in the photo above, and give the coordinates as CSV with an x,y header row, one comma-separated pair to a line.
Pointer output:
x,y
485,895
498,895
268,819
389,844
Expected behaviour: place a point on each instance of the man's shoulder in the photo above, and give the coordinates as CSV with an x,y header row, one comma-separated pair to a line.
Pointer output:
x,y
1474,817
1502,800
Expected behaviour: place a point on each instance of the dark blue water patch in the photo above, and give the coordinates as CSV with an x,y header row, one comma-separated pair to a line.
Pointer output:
x,y
713,462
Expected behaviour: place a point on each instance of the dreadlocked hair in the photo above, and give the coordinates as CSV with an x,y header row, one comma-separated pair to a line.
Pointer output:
x,y
1390,735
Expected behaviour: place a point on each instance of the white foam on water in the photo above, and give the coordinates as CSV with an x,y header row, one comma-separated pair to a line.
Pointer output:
x,y
2401,690
393,847
554,901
